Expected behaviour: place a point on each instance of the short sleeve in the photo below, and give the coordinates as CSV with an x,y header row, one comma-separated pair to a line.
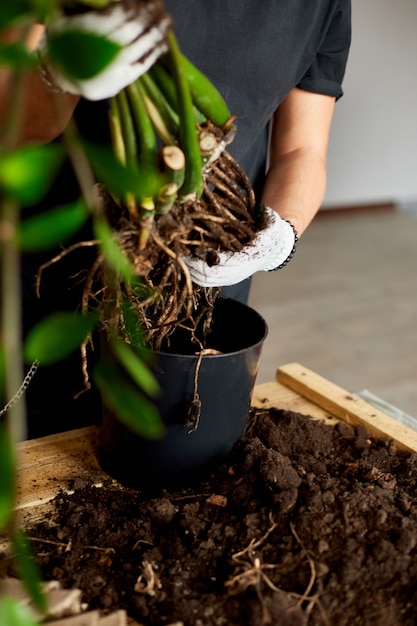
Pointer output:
x,y
326,73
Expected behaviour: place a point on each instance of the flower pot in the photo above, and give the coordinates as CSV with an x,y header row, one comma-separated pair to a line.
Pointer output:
x,y
222,384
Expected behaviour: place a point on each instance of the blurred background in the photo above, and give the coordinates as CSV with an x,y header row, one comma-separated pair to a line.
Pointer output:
x,y
346,305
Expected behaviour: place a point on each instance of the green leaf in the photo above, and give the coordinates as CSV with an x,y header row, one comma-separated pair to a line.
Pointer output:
x,y
16,56
132,323
129,405
26,174
28,570
96,4
53,227
121,179
23,13
11,12
2,372
14,613
81,55
57,335
7,476
115,257
135,366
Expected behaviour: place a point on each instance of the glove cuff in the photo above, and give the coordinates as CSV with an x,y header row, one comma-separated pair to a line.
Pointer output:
x,y
291,254
46,75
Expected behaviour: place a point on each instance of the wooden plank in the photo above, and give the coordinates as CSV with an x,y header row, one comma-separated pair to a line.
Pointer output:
x,y
276,395
49,464
342,404
44,463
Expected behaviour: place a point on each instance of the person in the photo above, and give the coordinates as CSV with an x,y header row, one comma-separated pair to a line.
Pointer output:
x,y
278,64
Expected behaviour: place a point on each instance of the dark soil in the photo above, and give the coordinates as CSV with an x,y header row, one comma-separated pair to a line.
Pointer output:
x,y
305,524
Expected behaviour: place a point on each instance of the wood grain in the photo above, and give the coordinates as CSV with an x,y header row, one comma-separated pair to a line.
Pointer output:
x,y
49,464
343,405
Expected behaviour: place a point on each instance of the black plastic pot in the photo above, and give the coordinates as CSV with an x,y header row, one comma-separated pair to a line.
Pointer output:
x,y
192,445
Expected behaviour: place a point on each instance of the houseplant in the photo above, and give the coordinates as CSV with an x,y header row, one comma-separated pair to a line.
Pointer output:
x,y
173,126
25,174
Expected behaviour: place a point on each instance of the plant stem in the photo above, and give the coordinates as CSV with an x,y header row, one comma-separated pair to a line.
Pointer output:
x,y
11,338
193,182
10,280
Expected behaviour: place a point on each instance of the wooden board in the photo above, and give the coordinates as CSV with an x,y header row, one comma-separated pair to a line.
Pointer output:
x,y
277,395
48,464
343,405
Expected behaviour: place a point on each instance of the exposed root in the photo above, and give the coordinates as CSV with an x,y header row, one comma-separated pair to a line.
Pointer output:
x,y
223,219
306,597
59,257
163,296
254,572
306,594
194,409
148,583
71,546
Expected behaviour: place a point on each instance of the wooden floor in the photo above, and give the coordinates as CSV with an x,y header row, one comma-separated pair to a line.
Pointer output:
x,y
346,305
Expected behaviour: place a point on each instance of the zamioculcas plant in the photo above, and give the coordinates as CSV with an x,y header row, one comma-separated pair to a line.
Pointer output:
x,y
166,188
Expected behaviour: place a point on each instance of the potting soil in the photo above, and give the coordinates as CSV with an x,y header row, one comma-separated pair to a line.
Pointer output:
x,y
305,523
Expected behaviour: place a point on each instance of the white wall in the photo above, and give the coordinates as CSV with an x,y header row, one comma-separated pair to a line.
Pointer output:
x,y
373,145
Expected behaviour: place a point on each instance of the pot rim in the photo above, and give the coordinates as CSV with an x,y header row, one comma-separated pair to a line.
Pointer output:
x,y
260,341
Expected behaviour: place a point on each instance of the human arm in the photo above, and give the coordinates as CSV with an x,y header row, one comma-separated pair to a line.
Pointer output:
x,y
292,194
296,180
44,114
134,36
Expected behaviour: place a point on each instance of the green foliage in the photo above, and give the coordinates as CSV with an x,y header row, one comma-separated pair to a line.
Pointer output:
x,y
14,613
121,179
115,258
135,366
26,173
57,335
2,371
28,570
52,227
125,399
132,326
93,4
23,12
81,55
17,56
16,11
7,476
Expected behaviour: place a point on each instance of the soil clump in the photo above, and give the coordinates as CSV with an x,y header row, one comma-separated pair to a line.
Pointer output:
x,y
305,524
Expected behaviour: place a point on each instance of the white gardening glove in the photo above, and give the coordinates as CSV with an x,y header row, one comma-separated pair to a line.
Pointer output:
x,y
139,28
271,249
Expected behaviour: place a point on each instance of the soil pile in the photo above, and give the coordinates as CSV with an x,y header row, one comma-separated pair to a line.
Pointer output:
x,y
306,523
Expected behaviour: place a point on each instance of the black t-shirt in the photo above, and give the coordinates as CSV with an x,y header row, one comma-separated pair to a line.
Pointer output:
x,y
256,51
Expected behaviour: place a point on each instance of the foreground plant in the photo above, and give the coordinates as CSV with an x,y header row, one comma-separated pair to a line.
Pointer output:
x,y
168,190
175,192
173,126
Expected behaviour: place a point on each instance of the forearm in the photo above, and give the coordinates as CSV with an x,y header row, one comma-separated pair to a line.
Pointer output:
x,y
43,115
295,186
296,180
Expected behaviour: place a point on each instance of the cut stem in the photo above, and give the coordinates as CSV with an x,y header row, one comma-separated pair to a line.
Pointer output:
x,y
193,180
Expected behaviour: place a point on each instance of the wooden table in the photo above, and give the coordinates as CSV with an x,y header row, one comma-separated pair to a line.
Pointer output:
x,y
51,463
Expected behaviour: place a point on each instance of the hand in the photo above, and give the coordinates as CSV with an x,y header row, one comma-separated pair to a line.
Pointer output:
x,y
271,249
138,28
